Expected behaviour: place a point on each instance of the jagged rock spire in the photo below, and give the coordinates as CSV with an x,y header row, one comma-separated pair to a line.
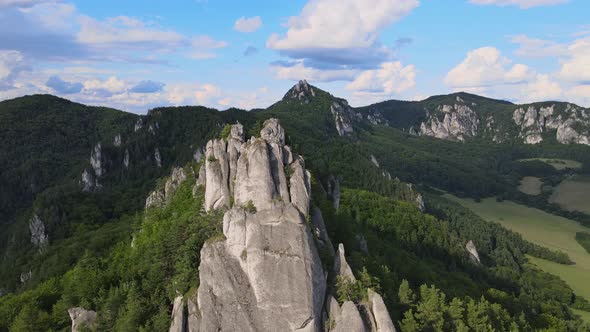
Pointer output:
x,y
301,91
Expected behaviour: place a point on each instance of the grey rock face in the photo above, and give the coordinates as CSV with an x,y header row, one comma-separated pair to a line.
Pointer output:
x,y
37,229
82,318
26,276
420,202
350,319
117,140
158,157
266,275
138,125
160,197
383,320
572,124
343,117
96,160
178,318
320,232
193,320
302,92
458,123
472,250
126,159
374,161
341,267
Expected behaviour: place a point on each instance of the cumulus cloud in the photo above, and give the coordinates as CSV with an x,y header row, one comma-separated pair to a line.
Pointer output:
x,y
296,70
22,3
486,71
105,88
12,64
249,24
485,67
520,3
535,47
390,78
575,67
147,87
340,34
62,87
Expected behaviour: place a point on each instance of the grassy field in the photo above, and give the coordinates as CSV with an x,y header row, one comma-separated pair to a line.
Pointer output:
x,y
583,239
530,185
544,229
572,194
559,164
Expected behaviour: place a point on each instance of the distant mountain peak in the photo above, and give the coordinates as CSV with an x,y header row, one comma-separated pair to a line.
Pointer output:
x,y
301,91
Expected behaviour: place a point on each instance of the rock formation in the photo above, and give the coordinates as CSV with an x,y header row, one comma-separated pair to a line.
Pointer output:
x,y
26,276
302,92
82,319
571,124
38,236
96,160
343,117
472,250
160,196
158,157
138,125
126,159
458,123
178,319
117,140
265,273
420,203
334,191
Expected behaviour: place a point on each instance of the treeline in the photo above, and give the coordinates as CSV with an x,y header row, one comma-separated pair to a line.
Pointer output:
x,y
430,250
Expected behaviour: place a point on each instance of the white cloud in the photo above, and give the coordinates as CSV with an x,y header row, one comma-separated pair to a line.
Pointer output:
x,y
485,71
23,3
575,67
11,64
340,24
390,78
579,94
125,31
249,24
520,3
203,46
534,47
485,67
105,88
297,70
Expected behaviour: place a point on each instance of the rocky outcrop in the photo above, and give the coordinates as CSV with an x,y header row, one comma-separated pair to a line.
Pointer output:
x,y
302,92
82,319
458,123
374,161
178,319
341,267
96,160
159,197
38,236
25,276
343,117
117,140
126,159
158,157
571,124
138,125
420,202
383,322
266,275
472,250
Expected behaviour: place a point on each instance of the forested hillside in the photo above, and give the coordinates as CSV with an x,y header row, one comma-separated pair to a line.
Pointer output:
x,y
374,177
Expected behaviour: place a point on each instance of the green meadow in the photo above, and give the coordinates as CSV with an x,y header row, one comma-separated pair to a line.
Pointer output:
x,y
558,164
573,194
530,185
544,229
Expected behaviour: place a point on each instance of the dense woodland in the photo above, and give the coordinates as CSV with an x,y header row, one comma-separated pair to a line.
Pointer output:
x,y
107,254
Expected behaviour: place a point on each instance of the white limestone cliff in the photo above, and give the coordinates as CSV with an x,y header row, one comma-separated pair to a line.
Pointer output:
x,y
458,123
472,250
38,236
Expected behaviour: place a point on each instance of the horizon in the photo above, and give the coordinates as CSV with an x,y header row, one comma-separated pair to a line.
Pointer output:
x,y
224,54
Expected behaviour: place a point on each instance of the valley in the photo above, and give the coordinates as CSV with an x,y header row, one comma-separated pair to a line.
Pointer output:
x,y
573,194
544,229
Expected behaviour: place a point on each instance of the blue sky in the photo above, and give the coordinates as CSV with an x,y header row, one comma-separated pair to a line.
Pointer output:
x,y
135,55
